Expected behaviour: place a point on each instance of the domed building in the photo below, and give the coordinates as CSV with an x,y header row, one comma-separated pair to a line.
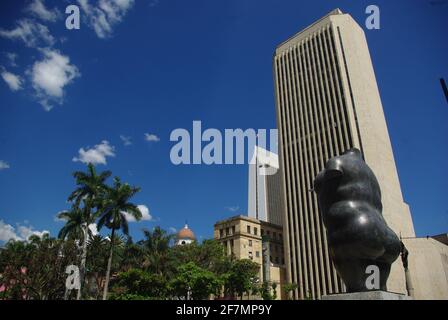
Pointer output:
x,y
185,236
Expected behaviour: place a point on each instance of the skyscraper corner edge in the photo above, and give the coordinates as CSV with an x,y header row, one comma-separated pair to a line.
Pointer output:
x,y
280,47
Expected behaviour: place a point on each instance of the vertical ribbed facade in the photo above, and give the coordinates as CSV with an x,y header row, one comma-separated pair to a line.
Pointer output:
x,y
274,196
317,119
314,128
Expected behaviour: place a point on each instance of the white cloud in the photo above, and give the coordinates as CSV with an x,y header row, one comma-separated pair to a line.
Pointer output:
x,y
103,16
233,208
27,231
7,232
13,81
126,140
50,75
32,33
3,165
93,228
146,216
22,232
12,57
97,154
151,137
145,212
37,8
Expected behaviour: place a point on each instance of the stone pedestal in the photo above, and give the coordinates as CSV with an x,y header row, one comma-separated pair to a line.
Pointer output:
x,y
367,295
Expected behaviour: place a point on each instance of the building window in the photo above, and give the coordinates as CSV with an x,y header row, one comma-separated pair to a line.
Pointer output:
x,y
262,232
250,243
257,254
221,233
255,231
233,230
248,229
227,231
250,255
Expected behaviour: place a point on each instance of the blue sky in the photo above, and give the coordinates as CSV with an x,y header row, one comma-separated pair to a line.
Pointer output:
x,y
153,66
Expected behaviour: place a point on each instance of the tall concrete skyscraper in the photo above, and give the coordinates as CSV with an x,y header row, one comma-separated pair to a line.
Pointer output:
x,y
265,200
327,102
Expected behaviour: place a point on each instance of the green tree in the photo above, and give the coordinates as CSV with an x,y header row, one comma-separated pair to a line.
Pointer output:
x,y
14,257
195,282
132,256
241,277
208,255
288,289
77,221
113,208
135,283
89,191
156,245
73,228
274,291
36,269
268,291
98,252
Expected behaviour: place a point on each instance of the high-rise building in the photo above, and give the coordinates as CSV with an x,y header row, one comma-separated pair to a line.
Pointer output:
x,y
265,198
327,102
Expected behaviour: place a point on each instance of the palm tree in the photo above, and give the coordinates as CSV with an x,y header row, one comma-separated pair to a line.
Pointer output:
x,y
77,228
98,253
90,184
133,255
90,189
115,205
98,249
75,220
156,245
